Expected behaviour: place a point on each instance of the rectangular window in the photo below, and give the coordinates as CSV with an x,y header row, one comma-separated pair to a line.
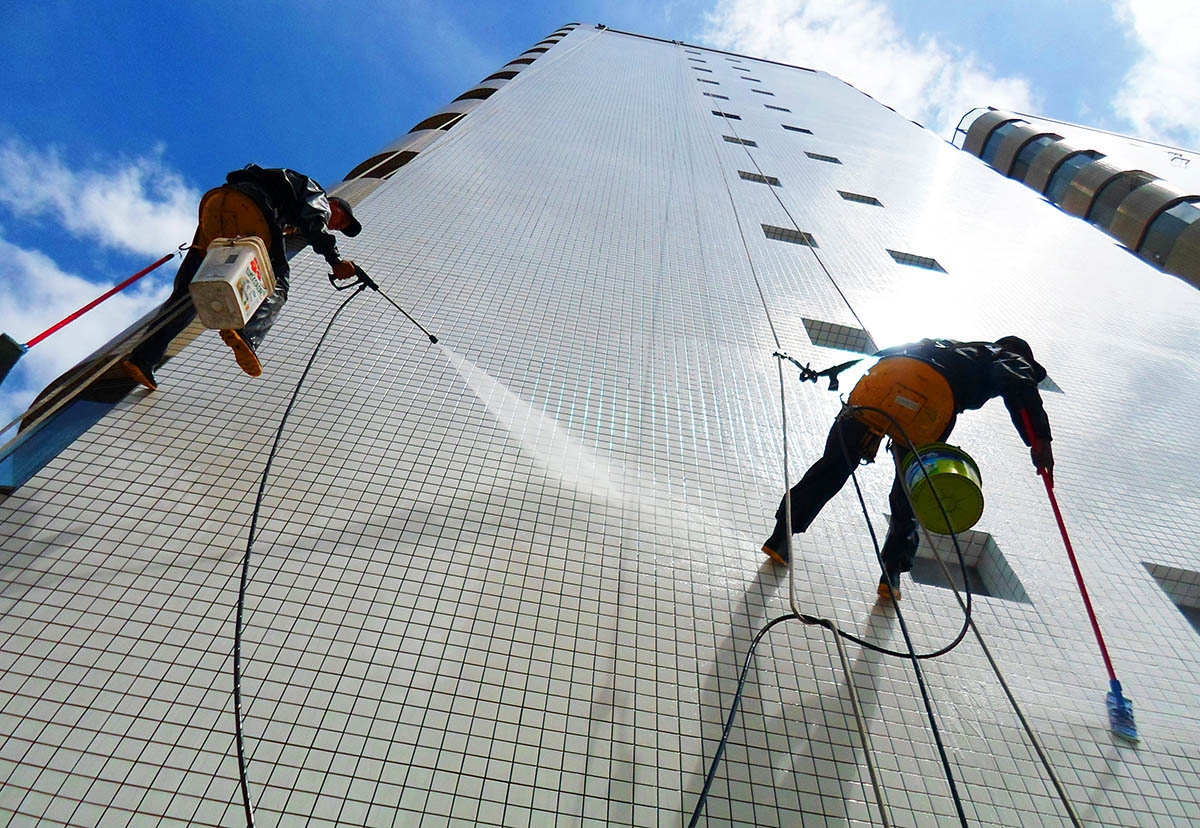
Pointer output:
x,y
706,80
779,108
829,159
752,80
715,95
789,235
916,261
743,141
797,129
733,60
698,60
842,337
861,199
763,92
701,69
729,115
761,179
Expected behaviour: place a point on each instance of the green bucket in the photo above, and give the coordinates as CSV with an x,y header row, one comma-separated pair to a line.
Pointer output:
x,y
953,478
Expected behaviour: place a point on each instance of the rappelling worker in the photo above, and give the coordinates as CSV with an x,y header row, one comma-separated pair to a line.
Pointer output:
x,y
923,386
255,201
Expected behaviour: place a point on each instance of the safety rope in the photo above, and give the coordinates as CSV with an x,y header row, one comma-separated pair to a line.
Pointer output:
x,y
839,634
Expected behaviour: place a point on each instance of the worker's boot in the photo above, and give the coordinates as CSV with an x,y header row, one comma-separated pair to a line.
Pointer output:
x,y
889,586
247,360
776,546
140,373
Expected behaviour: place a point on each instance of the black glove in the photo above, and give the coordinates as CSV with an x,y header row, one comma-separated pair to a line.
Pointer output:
x,y
1043,456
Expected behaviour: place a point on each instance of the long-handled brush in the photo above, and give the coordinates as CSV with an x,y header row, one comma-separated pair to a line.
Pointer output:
x,y
1120,709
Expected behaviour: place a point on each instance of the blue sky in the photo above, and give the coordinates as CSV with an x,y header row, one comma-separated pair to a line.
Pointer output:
x,y
117,116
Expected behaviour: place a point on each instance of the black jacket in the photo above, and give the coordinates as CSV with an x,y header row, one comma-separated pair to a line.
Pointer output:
x,y
292,200
979,371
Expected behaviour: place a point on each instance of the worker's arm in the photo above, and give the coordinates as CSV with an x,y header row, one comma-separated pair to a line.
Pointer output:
x,y
1014,378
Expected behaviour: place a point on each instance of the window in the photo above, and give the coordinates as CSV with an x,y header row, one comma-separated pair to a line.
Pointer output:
x,y
715,95
1067,168
752,80
797,129
743,141
701,69
861,199
729,115
1165,229
829,159
989,572
698,60
443,120
789,235
842,337
763,92
733,60
507,75
916,261
780,108
1109,197
1182,587
1028,153
479,92
706,80
761,179
997,138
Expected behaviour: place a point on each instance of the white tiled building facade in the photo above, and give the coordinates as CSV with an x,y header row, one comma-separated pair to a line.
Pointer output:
x,y
510,579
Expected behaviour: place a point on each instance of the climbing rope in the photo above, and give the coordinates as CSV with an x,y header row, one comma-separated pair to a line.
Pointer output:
x,y
839,634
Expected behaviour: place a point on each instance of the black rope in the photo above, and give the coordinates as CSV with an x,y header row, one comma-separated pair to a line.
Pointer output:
x,y
241,602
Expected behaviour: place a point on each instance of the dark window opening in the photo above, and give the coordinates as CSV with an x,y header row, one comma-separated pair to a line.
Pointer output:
x,y
861,199
787,234
743,141
1109,197
1028,153
701,69
715,95
914,260
1166,228
841,337
761,179
763,92
797,129
997,138
524,60
443,120
1056,190
779,108
752,80
478,93
729,115
706,80
829,159
508,74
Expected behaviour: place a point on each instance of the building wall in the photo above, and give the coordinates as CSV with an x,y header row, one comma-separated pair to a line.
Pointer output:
x,y
510,579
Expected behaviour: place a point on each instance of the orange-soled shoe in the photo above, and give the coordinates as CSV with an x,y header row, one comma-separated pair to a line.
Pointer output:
x,y
139,373
889,587
243,351
776,547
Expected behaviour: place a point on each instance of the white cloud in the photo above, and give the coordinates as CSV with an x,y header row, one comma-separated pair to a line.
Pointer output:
x,y
139,206
1159,95
34,294
860,42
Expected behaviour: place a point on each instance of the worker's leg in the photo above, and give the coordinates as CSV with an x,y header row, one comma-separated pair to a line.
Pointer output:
x,y
169,321
824,479
257,326
900,548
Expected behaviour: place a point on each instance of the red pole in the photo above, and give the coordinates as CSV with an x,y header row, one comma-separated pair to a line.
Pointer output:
x,y
98,300
1062,528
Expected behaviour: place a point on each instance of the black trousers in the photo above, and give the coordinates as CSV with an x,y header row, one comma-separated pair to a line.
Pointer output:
x,y
849,443
178,311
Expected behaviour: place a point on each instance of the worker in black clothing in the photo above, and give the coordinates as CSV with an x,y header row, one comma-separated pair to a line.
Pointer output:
x,y
270,204
923,386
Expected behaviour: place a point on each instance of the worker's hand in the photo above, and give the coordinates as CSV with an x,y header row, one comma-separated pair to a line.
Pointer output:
x,y
1043,457
343,269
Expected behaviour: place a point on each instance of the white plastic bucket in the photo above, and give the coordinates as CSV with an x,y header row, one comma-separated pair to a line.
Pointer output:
x,y
232,282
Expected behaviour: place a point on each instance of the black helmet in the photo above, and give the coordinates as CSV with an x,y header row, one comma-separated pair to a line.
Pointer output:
x,y
1018,346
